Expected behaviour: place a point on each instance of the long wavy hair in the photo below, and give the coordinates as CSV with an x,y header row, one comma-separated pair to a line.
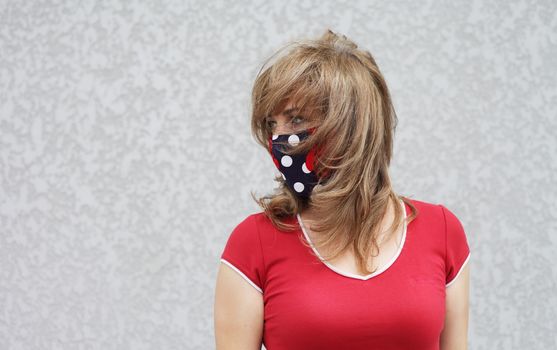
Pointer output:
x,y
340,91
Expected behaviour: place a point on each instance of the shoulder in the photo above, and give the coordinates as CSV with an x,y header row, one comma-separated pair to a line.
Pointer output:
x,y
434,215
243,251
437,209
253,220
266,226
244,234
252,226
440,216
427,210
421,203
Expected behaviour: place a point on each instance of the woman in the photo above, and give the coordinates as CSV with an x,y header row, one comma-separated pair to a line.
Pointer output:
x,y
336,259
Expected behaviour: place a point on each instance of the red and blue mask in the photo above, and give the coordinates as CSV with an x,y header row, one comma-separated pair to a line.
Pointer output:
x,y
297,169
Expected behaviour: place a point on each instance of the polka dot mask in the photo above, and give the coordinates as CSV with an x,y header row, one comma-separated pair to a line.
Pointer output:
x,y
296,169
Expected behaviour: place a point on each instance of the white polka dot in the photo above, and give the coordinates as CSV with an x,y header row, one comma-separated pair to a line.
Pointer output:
x,y
275,137
299,187
286,161
305,168
293,140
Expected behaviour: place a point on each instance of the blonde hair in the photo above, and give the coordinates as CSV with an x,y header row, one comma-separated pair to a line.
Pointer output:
x,y
340,88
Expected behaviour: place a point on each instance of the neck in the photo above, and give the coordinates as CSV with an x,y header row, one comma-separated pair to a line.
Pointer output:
x,y
308,214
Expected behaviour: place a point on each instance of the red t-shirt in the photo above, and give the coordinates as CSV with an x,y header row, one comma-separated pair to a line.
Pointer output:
x,y
309,304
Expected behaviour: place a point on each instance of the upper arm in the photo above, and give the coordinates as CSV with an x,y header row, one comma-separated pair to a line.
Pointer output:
x,y
238,312
238,308
457,270
455,332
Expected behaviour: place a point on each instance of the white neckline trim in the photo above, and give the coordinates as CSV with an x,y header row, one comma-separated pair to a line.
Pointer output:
x,y
351,275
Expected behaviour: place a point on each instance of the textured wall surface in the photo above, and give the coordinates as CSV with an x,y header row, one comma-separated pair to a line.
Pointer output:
x,y
126,157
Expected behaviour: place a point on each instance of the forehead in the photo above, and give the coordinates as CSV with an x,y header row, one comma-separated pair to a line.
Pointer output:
x,y
285,108
289,108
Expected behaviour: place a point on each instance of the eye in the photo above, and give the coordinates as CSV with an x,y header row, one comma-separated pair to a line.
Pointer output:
x,y
295,121
270,124
299,118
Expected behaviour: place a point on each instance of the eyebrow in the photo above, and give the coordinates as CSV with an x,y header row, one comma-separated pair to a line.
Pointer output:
x,y
290,110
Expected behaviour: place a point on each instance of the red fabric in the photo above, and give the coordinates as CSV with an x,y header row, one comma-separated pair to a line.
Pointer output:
x,y
308,305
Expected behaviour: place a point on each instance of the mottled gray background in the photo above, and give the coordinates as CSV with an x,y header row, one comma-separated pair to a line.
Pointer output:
x,y
126,157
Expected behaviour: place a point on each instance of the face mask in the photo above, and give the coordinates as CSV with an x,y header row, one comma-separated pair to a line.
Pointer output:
x,y
296,169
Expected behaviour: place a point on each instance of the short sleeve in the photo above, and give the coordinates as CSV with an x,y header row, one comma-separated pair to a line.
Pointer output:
x,y
243,254
457,251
